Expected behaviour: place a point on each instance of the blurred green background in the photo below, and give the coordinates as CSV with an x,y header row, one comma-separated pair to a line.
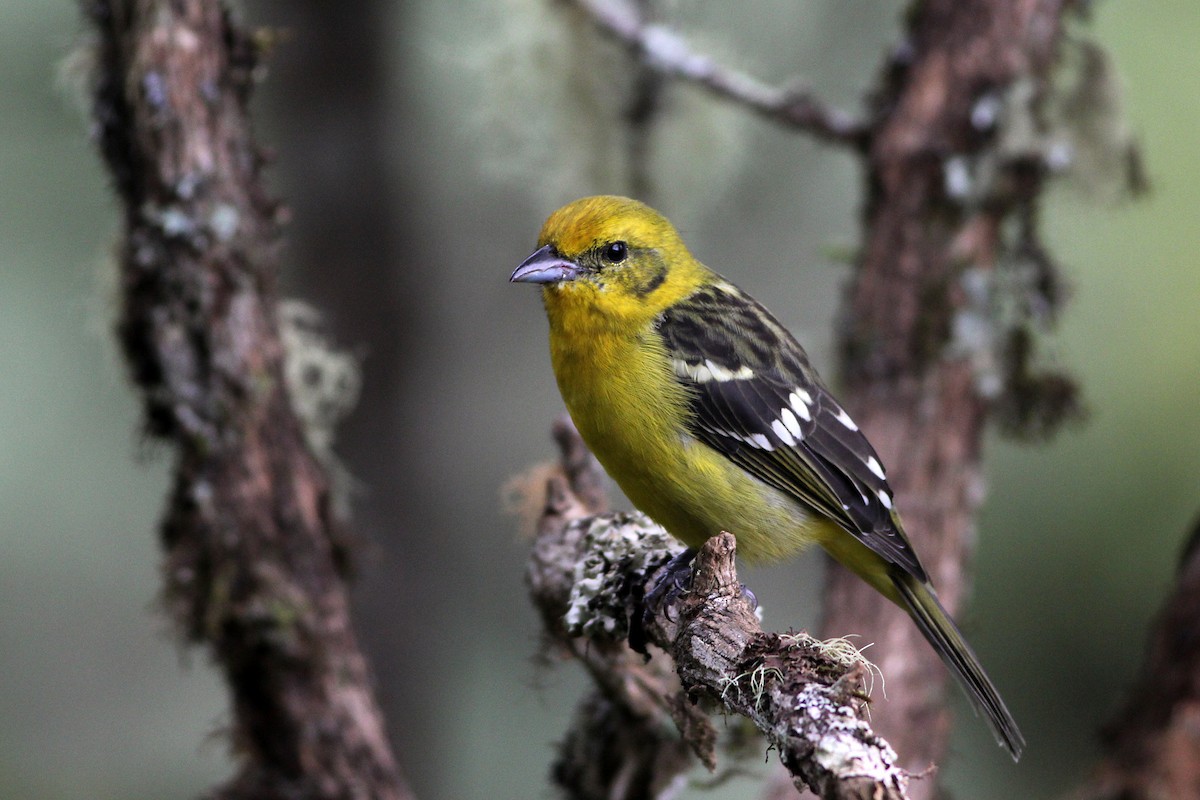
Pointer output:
x,y
1077,541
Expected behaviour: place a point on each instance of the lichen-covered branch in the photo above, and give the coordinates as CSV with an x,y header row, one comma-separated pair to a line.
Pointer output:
x,y
662,49
253,554
588,577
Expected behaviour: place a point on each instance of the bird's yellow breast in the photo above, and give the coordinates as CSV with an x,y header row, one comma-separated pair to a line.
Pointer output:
x,y
621,392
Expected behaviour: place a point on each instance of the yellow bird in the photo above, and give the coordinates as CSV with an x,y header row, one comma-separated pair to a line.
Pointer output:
x,y
708,415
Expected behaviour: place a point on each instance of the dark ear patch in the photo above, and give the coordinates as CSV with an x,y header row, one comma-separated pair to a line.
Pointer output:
x,y
654,277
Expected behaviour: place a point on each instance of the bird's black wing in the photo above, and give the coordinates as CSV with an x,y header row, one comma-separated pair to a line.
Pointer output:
x,y
756,400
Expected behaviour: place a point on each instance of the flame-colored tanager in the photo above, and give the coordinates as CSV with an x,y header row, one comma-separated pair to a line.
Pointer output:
x,y
708,415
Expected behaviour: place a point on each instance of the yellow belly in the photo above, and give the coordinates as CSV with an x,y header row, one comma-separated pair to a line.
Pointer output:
x,y
626,404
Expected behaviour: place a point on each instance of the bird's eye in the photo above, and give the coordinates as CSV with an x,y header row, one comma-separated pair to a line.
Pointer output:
x,y
616,252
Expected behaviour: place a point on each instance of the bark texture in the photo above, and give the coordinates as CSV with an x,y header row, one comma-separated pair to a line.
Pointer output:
x,y
254,559
704,651
918,399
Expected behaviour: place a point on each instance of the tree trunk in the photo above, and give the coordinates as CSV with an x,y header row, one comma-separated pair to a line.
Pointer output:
x,y
914,397
254,555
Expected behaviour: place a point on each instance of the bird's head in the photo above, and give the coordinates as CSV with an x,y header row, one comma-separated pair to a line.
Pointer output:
x,y
610,255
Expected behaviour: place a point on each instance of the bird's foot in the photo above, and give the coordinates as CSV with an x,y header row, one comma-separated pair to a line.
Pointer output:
x,y
672,581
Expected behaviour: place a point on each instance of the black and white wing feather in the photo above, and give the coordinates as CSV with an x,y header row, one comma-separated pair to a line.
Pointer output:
x,y
756,399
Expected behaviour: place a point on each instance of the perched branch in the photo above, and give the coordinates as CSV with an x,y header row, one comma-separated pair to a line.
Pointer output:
x,y
254,558
666,51
588,576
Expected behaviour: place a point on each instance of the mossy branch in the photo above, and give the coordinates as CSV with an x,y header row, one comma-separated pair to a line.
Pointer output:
x,y
588,576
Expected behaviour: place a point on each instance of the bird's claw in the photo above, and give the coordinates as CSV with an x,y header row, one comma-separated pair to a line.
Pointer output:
x,y
673,581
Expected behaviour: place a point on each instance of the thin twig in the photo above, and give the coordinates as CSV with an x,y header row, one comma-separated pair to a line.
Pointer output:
x,y
669,53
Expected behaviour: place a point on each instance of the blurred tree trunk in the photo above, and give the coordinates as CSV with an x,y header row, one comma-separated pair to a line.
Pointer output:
x,y
255,553
354,245
916,400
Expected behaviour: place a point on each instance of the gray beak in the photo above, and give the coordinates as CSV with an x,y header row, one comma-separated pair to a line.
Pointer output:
x,y
545,266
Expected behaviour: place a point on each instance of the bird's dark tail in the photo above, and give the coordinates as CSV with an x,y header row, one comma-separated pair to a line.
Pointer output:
x,y
923,606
